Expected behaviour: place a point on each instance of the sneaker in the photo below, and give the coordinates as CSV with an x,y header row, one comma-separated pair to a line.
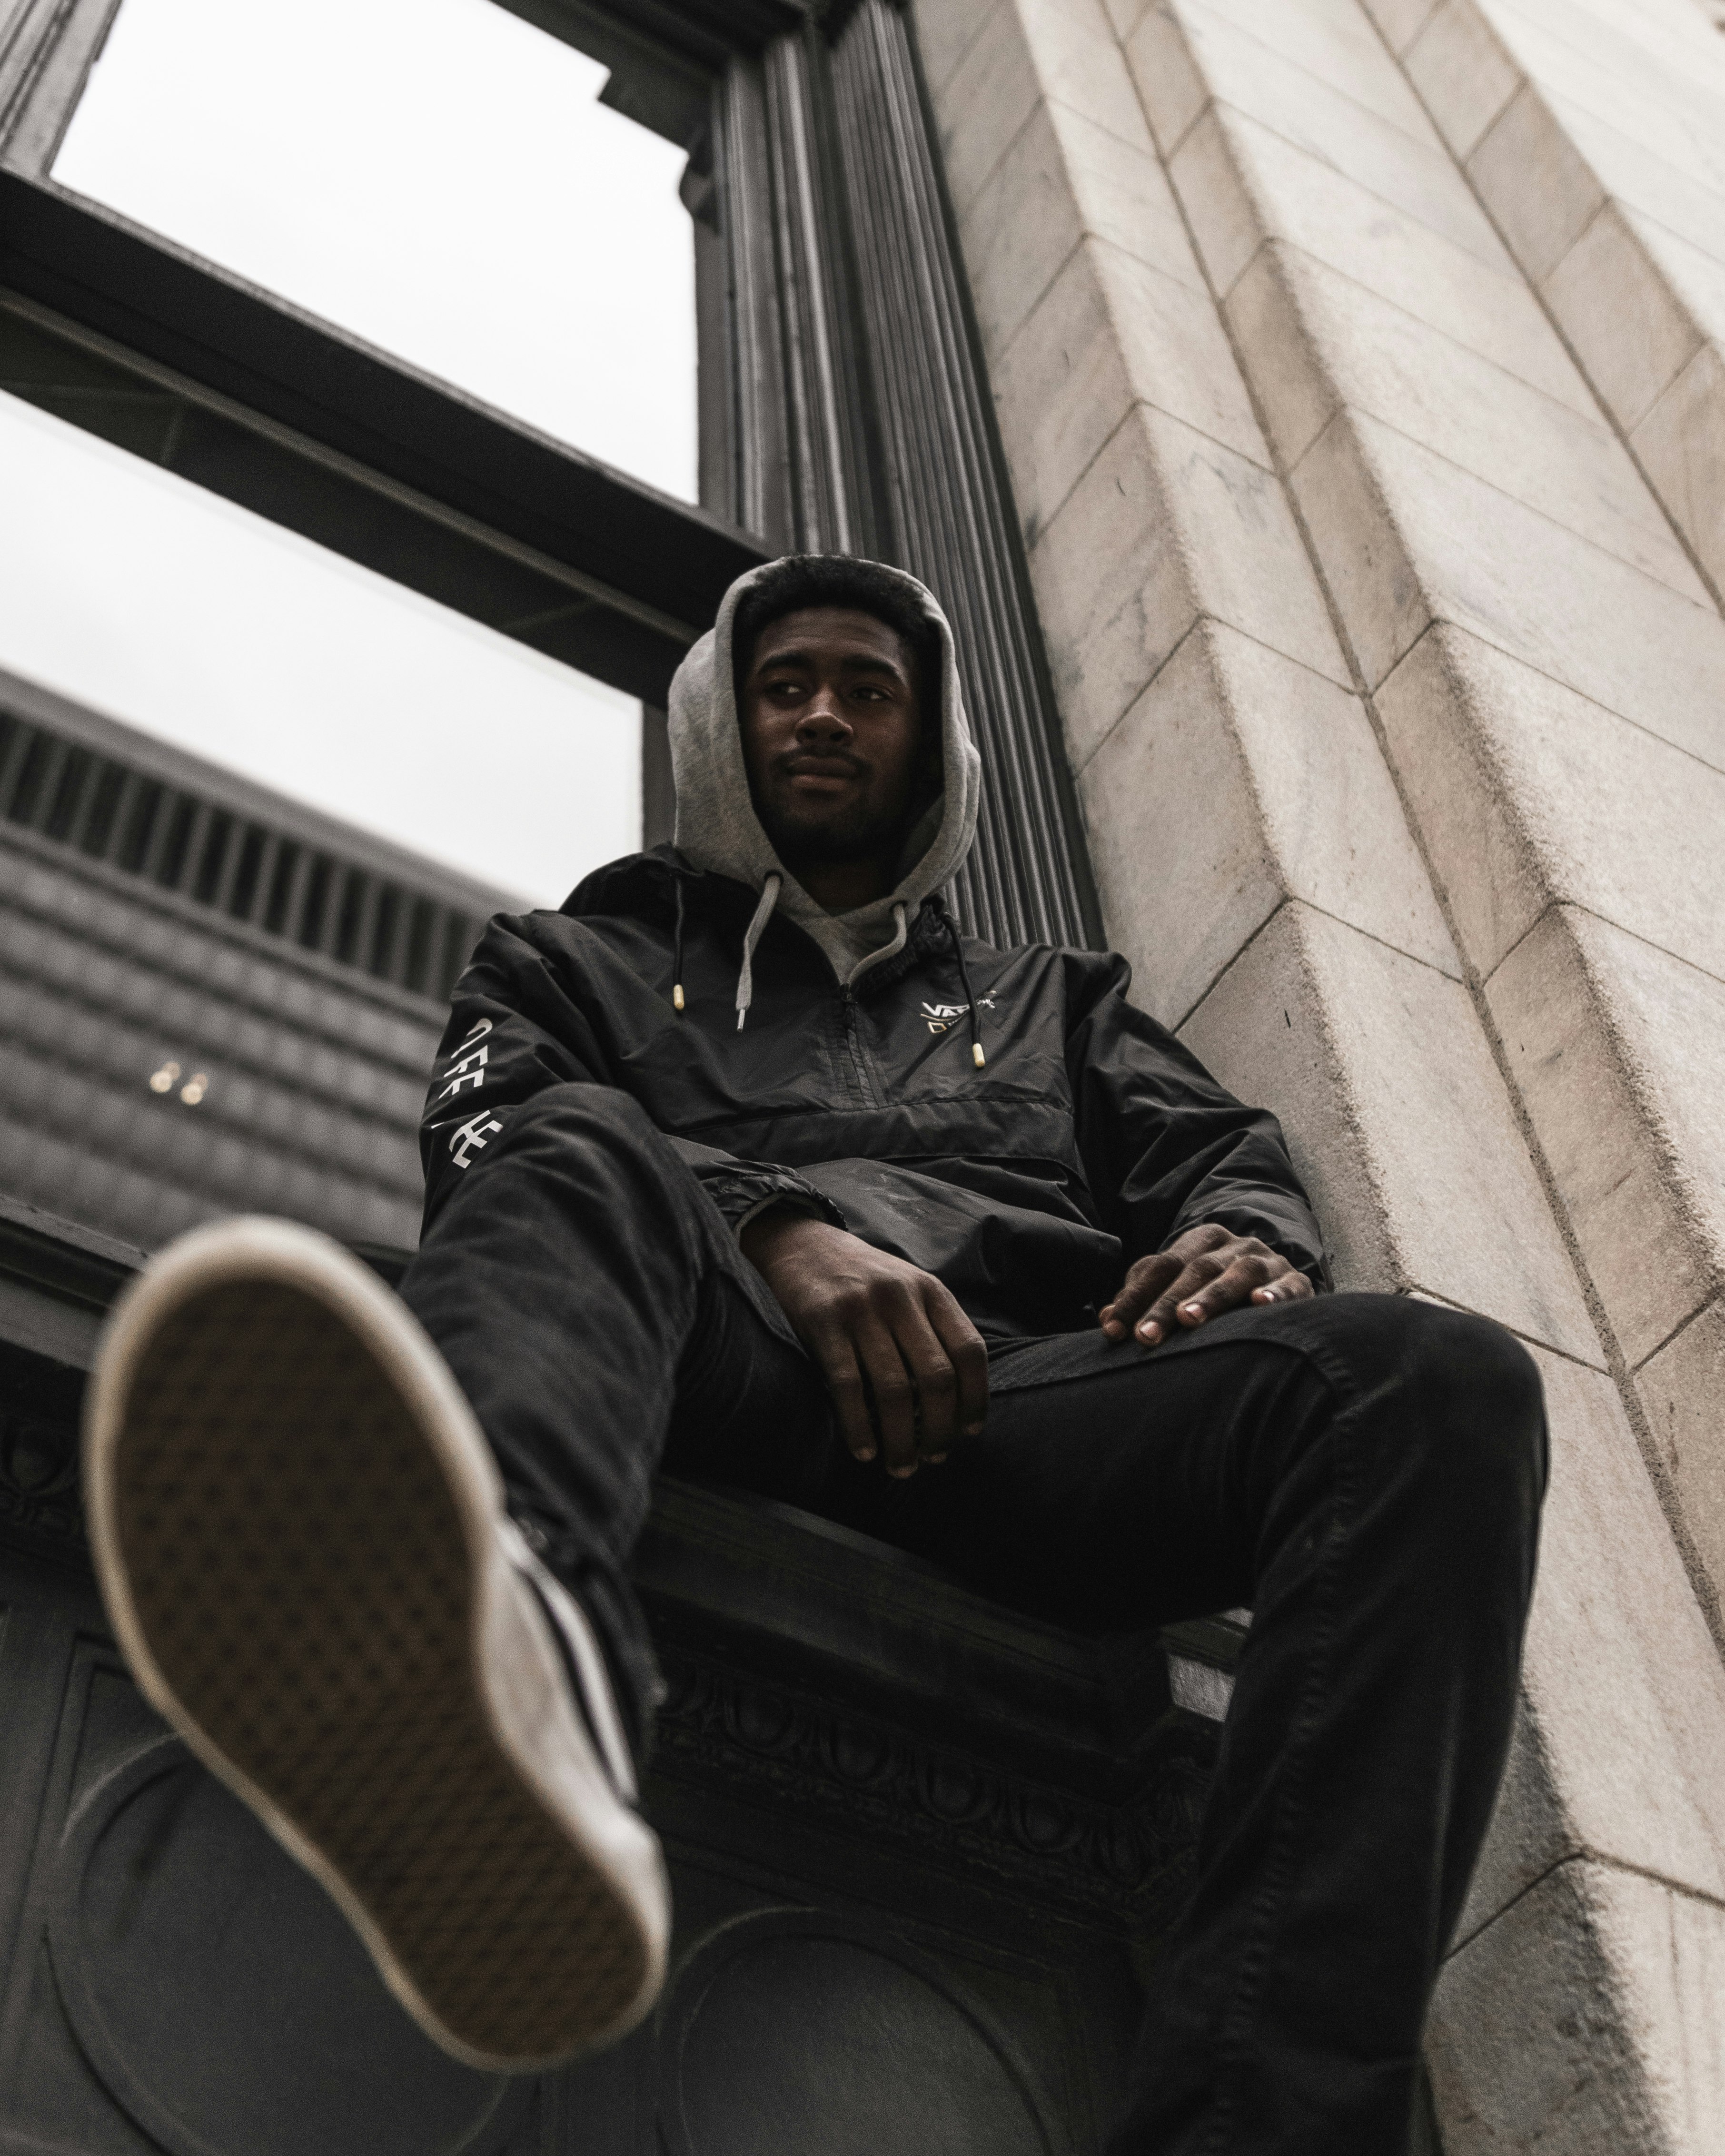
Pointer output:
x,y
299,1537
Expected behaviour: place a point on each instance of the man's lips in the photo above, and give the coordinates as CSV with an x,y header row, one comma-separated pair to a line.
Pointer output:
x,y
820,774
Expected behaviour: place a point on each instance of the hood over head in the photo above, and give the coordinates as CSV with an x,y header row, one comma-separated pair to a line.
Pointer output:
x,y
717,829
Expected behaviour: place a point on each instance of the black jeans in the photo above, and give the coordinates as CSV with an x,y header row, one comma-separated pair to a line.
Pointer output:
x,y
1364,1471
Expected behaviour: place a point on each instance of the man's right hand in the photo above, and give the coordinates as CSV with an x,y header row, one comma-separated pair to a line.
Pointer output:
x,y
907,1370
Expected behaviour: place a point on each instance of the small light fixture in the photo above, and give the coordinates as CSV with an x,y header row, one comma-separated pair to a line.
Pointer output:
x,y
194,1089
163,1081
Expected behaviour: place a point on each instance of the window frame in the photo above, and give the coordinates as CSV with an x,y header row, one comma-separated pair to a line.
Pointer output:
x,y
843,399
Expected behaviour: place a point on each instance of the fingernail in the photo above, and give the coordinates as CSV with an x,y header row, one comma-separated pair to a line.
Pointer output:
x,y
867,1453
901,1474
1150,1331
1194,1311
937,1458
1114,1329
971,1430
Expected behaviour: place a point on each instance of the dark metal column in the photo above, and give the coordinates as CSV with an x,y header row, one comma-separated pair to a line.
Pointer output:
x,y
950,510
47,50
861,418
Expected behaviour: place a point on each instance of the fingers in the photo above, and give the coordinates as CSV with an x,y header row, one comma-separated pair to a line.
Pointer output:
x,y
909,1377
967,1357
1241,1276
1206,1271
1142,1284
1287,1287
893,1395
851,1407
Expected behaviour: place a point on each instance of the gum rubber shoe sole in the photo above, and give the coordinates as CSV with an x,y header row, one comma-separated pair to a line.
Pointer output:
x,y
302,1564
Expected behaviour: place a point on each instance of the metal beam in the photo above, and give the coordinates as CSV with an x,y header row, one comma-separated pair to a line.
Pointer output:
x,y
287,415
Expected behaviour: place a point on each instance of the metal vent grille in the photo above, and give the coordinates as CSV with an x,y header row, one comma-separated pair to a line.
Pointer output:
x,y
146,826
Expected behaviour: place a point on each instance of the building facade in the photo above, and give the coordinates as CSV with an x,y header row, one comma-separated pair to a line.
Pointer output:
x,y
1359,366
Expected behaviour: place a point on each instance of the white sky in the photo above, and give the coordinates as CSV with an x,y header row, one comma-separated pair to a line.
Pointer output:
x,y
436,176
163,605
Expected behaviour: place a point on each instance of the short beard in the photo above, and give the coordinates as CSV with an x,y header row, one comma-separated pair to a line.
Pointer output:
x,y
860,835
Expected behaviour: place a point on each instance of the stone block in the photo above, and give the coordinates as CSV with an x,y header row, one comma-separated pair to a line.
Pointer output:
x,y
1333,40
1381,587
1615,1048
1062,50
1536,184
1682,1392
1172,90
1643,178
1398,1119
1108,333
1166,524
1681,444
983,104
1526,792
1313,338
1438,721
1230,220
1241,184
1062,178
1630,329
1653,49
1077,60
1585,2020
1406,536
1399,21
1249,779
1696,275
1414,173
1279,328
1125,15
1668,115
1620,1745
945,30
1461,69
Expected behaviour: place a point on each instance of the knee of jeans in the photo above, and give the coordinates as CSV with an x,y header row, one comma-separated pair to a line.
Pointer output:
x,y
1464,1395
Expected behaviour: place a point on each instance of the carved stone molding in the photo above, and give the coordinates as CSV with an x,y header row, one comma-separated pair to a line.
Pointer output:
x,y
39,1498
1127,1866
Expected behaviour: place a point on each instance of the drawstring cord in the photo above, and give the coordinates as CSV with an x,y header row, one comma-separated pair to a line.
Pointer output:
x,y
951,926
677,952
751,936
756,928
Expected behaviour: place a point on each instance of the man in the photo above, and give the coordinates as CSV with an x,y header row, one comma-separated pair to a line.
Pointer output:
x,y
747,1163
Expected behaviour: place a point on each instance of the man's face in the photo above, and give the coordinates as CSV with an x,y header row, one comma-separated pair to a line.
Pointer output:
x,y
831,734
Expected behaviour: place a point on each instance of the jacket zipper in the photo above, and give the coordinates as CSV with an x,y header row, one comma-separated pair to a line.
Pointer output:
x,y
853,1041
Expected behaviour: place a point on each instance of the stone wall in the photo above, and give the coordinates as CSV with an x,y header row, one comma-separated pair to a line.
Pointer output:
x,y
1357,367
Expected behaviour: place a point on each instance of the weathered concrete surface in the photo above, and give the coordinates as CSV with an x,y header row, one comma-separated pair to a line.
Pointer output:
x,y
1595,134
1384,626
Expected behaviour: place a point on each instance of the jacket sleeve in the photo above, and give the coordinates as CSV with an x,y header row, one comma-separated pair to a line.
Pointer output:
x,y
1166,1149
518,1024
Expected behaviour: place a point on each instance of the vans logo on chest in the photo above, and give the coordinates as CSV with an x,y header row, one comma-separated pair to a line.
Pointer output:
x,y
939,1016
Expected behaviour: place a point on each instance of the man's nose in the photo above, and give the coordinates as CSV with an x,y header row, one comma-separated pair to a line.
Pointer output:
x,y
824,719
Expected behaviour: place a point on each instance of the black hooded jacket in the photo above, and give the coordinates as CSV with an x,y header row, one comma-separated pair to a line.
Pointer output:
x,y
1090,1137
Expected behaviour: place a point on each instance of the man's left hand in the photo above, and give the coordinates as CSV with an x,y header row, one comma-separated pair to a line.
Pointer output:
x,y
1204,1272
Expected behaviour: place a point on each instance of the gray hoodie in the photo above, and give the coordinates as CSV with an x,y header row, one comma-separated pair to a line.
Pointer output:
x,y
717,827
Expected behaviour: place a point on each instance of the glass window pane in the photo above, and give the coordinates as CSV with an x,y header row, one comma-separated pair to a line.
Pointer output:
x,y
133,591
437,177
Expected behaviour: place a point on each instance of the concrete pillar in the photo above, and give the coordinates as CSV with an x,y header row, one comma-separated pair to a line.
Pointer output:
x,y
1392,673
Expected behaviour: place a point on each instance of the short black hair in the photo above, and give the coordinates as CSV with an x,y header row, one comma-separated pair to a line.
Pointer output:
x,y
834,580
